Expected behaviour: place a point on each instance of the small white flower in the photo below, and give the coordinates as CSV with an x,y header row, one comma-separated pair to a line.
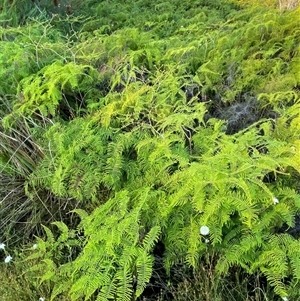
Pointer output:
x,y
275,201
8,259
204,230
42,299
207,240
285,299
34,246
2,246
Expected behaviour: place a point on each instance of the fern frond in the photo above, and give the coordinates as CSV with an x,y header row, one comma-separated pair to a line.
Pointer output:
x,y
151,238
144,263
124,283
63,228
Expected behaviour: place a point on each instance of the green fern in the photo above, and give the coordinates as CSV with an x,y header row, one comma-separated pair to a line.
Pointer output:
x,y
43,92
140,150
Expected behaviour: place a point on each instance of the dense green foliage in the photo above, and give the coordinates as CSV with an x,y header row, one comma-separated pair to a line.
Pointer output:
x,y
124,133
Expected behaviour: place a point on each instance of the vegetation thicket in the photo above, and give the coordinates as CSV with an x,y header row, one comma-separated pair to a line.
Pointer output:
x,y
149,150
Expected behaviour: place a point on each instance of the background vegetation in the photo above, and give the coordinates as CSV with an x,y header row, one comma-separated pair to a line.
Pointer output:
x,y
149,150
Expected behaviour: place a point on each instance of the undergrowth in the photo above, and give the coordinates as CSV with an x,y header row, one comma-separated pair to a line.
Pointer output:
x,y
127,131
